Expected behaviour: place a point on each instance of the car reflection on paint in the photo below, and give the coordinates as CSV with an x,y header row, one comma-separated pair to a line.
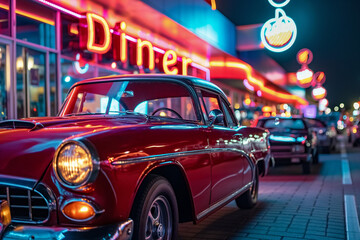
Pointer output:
x,y
291,141
128,156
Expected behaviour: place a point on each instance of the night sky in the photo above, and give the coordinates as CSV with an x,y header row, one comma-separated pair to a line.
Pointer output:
x,y
329,28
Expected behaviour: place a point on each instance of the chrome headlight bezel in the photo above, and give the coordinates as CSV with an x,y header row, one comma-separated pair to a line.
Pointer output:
x,y
91,153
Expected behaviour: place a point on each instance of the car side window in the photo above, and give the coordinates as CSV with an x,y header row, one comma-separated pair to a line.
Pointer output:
x,y
231,123
212,104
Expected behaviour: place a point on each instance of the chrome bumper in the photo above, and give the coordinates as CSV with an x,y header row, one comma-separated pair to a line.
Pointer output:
x,y
121,231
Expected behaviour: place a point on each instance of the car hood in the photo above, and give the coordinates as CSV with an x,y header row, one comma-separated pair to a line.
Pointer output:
x,y
27,146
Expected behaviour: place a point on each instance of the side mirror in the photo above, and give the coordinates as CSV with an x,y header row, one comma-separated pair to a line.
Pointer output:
x,y
216,117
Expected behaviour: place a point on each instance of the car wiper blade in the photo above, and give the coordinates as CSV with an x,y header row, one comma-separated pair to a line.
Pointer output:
x,y
122,113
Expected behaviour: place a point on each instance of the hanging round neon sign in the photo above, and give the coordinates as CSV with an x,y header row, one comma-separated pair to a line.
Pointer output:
x,y
319,93
304,56
319,78
278,34
279,3
304,77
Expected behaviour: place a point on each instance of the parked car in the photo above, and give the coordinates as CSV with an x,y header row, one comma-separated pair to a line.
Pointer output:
x,y
127,156
291,141
355,134
326,135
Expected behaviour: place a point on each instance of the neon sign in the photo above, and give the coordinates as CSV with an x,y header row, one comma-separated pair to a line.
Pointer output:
x,y
304,56
319,78
319,93
304,77
278,34
77,67
97,37
279,3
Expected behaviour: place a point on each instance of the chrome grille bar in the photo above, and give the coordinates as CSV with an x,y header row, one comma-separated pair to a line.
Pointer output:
x,y
26,205
30,206
8,195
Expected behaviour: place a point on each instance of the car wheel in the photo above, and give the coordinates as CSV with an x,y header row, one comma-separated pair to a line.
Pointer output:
x,y
306,167
155,211
249,198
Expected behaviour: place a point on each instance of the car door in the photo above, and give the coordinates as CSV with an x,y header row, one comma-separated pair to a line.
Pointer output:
x,y
224,140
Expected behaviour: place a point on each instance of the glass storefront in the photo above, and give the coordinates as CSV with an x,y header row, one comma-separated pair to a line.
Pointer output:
x,y
30,82
3,92
35,23
4,17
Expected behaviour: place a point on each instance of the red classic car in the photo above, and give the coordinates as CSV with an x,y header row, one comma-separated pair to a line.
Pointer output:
x,y
127,156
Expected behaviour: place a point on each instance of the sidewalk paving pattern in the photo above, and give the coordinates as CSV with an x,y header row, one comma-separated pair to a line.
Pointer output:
x,y
290,206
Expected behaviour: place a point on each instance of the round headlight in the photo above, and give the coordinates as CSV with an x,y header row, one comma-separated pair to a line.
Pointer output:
x,y
74,164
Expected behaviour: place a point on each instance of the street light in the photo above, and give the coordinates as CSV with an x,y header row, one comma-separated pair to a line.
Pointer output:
x,y
336,108
342,105
356,105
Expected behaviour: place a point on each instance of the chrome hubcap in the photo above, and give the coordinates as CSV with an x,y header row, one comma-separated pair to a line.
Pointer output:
x,y
159,220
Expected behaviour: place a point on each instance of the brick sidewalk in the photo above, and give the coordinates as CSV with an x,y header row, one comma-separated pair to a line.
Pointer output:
x,y
291,206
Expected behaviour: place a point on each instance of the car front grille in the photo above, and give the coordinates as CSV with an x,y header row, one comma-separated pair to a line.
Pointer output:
x,y
25,205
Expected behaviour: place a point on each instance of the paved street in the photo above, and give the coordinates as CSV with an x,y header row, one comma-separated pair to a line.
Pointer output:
x,y
294,206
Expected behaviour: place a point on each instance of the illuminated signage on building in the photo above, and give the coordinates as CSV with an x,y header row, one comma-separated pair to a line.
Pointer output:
x,y
319,78
279,3
304,77
319,93
278,34
304,56
96,36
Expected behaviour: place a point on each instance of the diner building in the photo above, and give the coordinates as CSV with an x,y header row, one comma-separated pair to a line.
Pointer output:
x,y
48,45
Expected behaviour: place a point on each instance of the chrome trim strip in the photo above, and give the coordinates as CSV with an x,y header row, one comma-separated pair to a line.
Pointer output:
x,y
8,195
221,202
29,205
184,154
178,154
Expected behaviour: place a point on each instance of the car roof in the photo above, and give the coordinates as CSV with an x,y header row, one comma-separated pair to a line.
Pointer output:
x,y
193,81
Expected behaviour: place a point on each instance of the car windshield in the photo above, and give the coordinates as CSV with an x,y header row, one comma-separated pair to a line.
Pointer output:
x,y
283,124
151,98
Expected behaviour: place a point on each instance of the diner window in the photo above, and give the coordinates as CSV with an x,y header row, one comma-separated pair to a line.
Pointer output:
x,y
30,83
5,17
35,23
53,85
3,94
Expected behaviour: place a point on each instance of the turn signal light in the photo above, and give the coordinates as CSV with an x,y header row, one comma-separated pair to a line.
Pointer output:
x,y
5,216
79,211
